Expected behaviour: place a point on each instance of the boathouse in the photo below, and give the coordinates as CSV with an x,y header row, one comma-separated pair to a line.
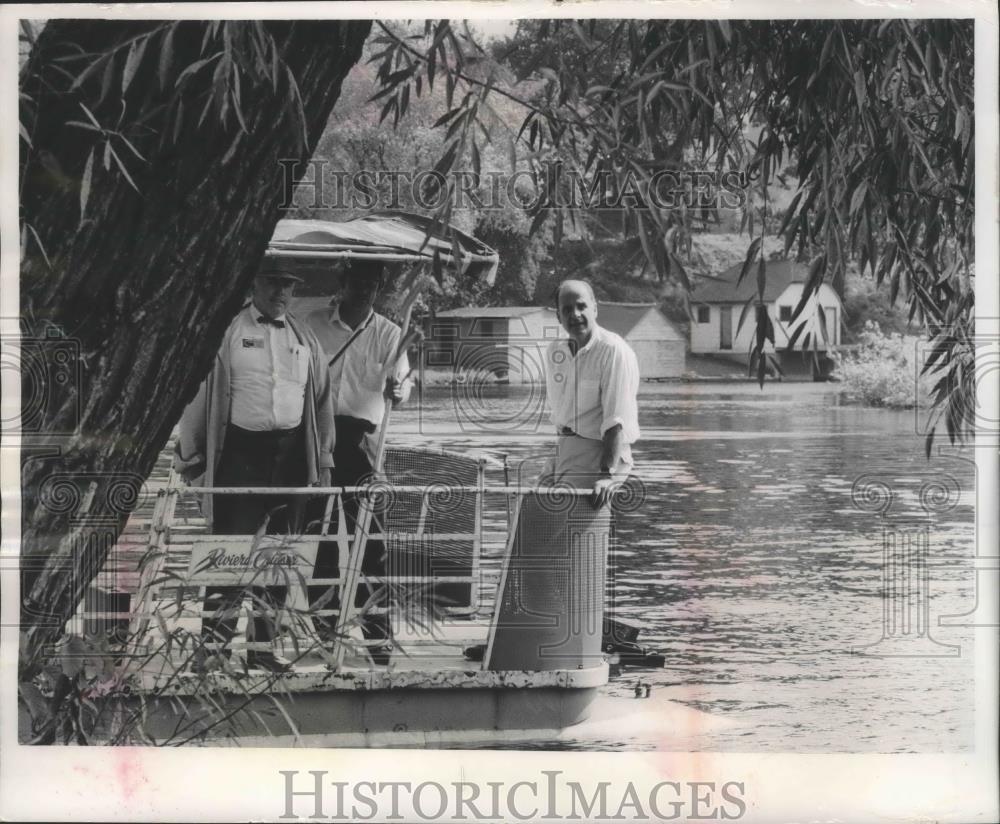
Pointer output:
x,y
510,341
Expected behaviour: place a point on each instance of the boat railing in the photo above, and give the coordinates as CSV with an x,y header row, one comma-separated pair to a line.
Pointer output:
x,y
432,536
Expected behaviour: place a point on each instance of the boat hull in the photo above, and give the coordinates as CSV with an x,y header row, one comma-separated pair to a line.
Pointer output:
x,y
368,709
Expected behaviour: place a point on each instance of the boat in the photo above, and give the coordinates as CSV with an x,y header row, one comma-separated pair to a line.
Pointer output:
x,y
472,562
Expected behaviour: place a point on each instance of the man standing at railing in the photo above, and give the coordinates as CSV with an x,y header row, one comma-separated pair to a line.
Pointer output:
x,y
262,418
367,367
592,380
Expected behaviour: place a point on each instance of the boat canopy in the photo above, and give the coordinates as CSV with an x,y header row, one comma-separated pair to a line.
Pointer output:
x,y
386,236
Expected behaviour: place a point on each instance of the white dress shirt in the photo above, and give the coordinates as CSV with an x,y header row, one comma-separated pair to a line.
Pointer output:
x,y
269,369
357,379
596,389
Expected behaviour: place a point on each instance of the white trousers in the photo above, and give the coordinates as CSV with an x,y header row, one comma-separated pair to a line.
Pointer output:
x,y
578,463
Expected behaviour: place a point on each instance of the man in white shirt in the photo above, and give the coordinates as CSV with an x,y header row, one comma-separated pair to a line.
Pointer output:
x,y
263,417
592,380
361,347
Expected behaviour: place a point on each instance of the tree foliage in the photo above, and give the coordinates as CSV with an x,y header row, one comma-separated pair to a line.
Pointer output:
x,y
359,145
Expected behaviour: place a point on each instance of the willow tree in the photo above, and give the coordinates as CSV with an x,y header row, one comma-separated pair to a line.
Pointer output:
x,y
149,187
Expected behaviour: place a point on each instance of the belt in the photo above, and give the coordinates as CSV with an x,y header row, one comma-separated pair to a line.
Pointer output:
x,y
238,433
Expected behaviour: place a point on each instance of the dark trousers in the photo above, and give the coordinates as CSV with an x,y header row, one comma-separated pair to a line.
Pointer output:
x,y
352,467
275,458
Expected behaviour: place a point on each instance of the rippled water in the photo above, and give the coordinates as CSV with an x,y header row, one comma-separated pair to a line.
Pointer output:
x,y
754,568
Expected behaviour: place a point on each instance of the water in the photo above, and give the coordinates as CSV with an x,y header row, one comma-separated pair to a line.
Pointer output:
x,y
757,571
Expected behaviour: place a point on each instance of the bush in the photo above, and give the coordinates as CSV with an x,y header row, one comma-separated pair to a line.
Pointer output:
x,y
882,370
864,301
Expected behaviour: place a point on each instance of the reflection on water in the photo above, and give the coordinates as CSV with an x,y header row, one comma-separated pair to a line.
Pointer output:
x,y
755,564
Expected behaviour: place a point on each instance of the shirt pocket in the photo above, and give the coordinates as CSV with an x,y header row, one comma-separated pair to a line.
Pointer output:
x,y
300,363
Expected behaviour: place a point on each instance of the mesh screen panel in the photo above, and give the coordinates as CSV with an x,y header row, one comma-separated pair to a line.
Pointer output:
x,y
551,607
413,521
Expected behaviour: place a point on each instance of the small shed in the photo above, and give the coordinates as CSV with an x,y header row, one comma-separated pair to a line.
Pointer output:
x,y
510,341
658,343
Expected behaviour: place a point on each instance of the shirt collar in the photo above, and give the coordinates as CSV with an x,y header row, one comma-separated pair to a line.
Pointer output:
x,y
253,313
335,317
594,336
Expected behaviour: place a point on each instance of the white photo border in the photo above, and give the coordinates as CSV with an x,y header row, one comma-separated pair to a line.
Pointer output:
x,y
220,784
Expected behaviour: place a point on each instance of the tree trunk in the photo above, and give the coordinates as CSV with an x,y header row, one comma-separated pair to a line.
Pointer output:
x,y
124,304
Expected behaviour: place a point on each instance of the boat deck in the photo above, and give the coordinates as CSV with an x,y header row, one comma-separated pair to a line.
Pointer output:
x,y
417,656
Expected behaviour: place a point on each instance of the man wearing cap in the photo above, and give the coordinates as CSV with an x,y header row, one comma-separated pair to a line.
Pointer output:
x,y
263,417
592,380
366,369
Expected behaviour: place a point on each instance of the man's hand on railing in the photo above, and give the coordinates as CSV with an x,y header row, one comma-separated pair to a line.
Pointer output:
x,y
189,470
604,490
